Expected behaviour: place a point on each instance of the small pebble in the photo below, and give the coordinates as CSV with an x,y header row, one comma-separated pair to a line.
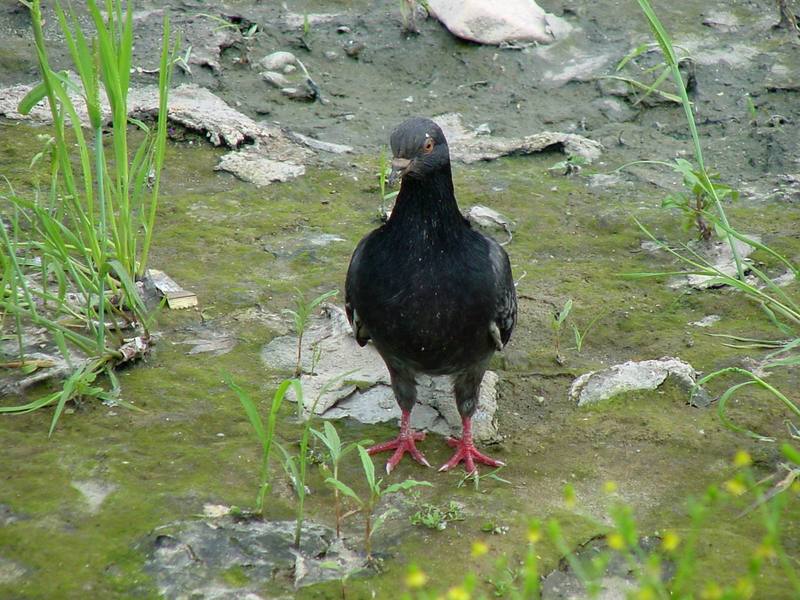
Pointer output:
x,y
343,29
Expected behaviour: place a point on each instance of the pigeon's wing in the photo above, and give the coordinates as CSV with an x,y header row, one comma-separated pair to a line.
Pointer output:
x,y
351,284
505,313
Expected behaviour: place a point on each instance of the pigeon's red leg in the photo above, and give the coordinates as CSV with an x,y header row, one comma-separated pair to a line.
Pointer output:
x,y
466,451
405,442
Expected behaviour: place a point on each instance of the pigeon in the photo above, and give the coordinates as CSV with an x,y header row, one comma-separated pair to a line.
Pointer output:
x,y
434,295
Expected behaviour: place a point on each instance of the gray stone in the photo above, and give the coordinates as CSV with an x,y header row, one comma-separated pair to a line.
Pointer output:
x,y
706,321
719,256
487,218
350,381
597,386
277,61
253,166
275,79
468,147
188,559
488,22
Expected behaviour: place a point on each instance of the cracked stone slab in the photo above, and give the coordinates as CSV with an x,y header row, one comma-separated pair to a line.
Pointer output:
x,y
189,559
350,381
598,386
468,146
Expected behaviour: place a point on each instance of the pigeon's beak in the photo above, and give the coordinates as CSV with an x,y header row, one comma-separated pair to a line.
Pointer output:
x,y
399,168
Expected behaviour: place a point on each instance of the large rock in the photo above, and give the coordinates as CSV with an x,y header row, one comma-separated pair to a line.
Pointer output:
x,y
492,22
469,146
350,381
597,386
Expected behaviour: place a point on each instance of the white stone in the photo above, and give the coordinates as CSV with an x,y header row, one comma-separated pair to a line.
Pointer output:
x,y
597,386
492,22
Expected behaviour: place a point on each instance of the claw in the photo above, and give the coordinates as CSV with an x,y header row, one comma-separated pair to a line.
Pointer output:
x,y
405,442
466,452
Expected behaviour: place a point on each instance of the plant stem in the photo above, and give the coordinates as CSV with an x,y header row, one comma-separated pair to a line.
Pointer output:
x,y
368,531
101,267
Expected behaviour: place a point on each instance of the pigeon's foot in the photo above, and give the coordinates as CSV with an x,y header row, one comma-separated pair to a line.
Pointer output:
x,y
466,452
405,442
402,444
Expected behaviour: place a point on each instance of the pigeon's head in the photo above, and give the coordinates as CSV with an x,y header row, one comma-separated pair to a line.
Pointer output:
x,y
419,149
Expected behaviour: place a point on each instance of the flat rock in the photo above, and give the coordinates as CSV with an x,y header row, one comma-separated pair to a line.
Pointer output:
x,y
488,22
468,147
350,381
254,166
189,559
720,256
597,386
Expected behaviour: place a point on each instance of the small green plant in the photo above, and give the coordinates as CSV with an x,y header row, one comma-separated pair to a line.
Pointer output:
x,y
752,111
646,81
696,201
437,517
301,314
375,492
264,434
88,235
336,451
580,336
477,478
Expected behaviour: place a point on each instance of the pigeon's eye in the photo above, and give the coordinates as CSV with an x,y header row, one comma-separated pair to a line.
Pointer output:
x,y
427,147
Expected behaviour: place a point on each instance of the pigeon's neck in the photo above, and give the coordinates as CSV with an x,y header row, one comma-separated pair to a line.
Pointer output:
x,y
429,205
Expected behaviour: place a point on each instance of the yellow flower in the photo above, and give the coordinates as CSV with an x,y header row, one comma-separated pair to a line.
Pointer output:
x,y
479,549
615,541
670,541
711,591
735,487
534,533
765,550
609,487
569,495
416,578
742,459
645,594
458,593
745,588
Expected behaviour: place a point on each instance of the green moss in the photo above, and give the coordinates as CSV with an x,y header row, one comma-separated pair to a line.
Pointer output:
x,y
239,247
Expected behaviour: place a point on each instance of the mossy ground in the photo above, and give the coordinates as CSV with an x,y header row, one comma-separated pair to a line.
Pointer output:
x,y
240,248
244,250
